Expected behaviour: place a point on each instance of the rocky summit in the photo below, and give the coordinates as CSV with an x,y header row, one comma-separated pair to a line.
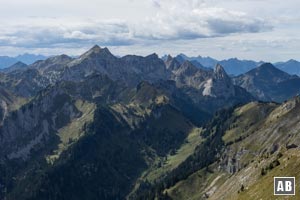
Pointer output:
x,y
268,83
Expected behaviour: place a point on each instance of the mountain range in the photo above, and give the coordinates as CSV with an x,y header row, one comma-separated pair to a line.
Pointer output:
x,y
235,67
291,66
6,61
100,126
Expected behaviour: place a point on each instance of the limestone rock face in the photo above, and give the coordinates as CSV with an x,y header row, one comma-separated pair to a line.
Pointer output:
x,y
189,75
128,69
31,125
220,85
212,83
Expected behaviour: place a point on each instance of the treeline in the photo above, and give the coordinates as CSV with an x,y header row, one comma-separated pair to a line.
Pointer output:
x,y
204,155
102,165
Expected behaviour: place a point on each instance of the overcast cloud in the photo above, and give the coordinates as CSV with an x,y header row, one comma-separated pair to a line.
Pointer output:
x,y
256,29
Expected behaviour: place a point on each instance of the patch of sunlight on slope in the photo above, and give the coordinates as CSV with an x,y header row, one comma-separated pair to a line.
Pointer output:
x,y
74,130
263,187
134,113
160,166
283,109
172,161
247,119
18,103
204,184
197,186
241,122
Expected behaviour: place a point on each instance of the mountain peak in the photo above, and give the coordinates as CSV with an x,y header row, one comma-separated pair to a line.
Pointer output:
x,y
172,63
98,51
106,50
59,59
271,70
267,82
268,70
188,64
220,73
169,58
219,69
152,56
267,66
19,63
17,66
187,68
292,61
183,56
96,48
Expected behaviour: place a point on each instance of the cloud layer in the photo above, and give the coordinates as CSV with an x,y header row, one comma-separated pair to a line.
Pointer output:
x,y
172,21
249,29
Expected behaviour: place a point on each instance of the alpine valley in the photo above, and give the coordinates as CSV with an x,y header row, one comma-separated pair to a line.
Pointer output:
x,y
104,127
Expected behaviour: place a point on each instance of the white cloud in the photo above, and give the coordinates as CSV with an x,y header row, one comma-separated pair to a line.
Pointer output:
x,y
173,20
53,32
192,20
219,28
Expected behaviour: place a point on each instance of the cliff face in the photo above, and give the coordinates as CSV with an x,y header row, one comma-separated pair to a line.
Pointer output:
x,y
53,85
32,124
220,85
129,69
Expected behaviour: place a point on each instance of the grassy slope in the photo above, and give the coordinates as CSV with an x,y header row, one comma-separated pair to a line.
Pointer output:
x,y
196,185
172,161
201,182
14,102
257,128
160,166
74,130
263,187
247,119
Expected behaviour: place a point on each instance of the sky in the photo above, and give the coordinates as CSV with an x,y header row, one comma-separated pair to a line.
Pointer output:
x,y
267,30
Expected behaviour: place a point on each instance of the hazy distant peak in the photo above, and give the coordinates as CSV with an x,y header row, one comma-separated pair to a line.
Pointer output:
x,y
19,63
169,58
183,56
267,70
269,67
292,61
17,66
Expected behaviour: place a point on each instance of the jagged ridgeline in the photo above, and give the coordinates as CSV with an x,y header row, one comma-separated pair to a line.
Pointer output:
x,y
105,127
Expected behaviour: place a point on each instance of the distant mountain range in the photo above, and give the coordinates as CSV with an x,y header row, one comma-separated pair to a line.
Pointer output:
x,y
235,67
232,66
268,83
6,61
291,66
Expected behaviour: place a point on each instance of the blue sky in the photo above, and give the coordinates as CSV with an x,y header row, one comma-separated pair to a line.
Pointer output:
x,y
248,29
